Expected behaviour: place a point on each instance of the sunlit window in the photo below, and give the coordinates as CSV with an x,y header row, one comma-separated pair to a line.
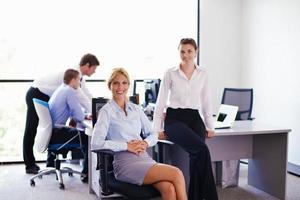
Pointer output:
x,y
38,37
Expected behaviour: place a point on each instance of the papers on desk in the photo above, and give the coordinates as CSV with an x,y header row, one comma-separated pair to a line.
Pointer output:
x,y
87,123
87,126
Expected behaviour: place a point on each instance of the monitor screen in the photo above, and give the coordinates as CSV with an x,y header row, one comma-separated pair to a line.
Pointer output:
x,y
147,90
151,90
97,104
221,117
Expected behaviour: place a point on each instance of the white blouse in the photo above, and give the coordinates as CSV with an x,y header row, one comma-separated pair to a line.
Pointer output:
x,y
177,91
114,128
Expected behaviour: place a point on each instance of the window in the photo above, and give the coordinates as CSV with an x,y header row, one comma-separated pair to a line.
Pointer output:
x,y
38,37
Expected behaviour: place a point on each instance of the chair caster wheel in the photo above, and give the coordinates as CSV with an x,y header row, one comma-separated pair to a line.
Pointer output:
x,y
61,186
32,183
70,174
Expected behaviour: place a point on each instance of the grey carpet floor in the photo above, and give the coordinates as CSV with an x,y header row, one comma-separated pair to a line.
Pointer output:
x,y
14,185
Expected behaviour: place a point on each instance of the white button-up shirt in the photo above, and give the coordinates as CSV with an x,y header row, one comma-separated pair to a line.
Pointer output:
x,y
48,83
177,91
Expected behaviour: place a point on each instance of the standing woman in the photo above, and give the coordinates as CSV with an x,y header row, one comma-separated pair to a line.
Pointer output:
x,y
118,128
188,118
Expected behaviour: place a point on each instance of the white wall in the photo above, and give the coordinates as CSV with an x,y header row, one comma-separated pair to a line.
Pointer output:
x,y
271,62
220,46
256,43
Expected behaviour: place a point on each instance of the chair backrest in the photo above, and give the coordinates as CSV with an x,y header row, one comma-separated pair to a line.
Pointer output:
x,y
241,97
97,104
44,130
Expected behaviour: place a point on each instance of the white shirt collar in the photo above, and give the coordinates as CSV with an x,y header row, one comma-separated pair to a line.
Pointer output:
x,y
178,67
117,107
78,69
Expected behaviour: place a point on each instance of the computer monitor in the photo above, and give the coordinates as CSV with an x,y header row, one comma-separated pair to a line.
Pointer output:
x,y
147,89
151,90
97,104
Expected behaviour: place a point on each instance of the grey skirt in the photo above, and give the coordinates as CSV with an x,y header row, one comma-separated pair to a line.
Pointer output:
x,y
132,168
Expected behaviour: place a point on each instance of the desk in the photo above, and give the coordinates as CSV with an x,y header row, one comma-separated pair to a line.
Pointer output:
x,y
265,147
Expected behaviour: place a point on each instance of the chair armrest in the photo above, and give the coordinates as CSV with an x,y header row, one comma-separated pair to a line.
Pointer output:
x,y
103,156
103,151
166,142
162,144
251,118
103,160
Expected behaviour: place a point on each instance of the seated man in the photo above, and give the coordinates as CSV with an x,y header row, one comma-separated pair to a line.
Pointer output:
x,y
64,104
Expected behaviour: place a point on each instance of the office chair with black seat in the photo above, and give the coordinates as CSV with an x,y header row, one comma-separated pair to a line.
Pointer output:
x,y
227,172
109,184
44,141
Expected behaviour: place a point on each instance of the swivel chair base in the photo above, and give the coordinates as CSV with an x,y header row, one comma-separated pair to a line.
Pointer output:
x,y
57,171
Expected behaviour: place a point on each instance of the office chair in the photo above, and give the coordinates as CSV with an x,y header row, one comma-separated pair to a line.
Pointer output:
x,y
42,143
109,184
243,98
227,172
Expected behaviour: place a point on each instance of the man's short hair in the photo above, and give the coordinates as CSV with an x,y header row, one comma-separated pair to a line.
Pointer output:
x,y
69,75
89,59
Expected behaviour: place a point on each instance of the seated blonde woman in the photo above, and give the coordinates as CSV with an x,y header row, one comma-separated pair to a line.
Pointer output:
x,y
118,128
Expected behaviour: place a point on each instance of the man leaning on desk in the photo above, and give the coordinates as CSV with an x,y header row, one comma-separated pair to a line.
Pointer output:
x,y
42,89
65,104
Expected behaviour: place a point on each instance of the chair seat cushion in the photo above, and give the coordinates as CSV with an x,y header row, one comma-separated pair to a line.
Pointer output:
x,y
66,138
54,147
132,190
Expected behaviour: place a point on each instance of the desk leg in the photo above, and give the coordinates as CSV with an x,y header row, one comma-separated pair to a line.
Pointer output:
x,y
91,191
267,169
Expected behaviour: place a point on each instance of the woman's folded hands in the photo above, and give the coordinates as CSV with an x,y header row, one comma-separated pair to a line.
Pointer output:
x,y
137,146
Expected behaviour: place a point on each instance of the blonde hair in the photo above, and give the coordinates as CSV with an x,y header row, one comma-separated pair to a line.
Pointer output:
x,y
116,72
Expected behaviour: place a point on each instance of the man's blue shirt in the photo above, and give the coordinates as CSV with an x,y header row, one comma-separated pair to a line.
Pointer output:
x,y
64,103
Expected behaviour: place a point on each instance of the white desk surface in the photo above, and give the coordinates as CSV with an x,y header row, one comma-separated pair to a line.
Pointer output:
x,y
250,128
